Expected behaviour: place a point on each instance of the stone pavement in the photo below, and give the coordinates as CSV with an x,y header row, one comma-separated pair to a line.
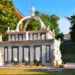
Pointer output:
x,y
66,66
69,66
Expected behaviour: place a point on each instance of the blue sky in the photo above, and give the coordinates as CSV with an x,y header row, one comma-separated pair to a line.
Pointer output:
x,y
61,8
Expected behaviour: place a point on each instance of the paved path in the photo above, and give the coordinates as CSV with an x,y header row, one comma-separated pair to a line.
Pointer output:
x,y
66,66
69,66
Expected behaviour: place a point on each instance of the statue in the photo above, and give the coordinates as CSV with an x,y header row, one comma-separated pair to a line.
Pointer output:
x,y
32,11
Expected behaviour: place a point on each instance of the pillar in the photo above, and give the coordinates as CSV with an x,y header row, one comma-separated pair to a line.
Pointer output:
x,y
16,37
43,54
27,37
20,54
31,54
9,54
39,37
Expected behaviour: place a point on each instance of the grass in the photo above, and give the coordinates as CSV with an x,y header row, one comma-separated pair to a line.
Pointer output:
x,y
18,71
22,71
68,52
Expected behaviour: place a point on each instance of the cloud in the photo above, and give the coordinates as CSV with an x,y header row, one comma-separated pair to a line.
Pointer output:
x,y
64,25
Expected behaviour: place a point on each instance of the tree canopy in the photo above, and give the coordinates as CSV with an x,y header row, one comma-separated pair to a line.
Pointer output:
x,y
72,28
52,21
8,16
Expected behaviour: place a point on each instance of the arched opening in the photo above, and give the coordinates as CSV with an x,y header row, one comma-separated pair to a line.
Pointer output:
x,y
30,23
21,27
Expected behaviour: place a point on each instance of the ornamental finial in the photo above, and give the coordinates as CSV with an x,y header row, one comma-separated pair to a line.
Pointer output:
x,y
32,11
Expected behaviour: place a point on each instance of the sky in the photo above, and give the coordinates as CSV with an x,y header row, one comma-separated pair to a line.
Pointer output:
x,y
62,8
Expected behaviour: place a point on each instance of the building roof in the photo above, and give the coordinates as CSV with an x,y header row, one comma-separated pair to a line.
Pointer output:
x,y
20,15
67,36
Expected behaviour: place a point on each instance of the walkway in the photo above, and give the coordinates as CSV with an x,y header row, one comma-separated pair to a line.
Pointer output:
x,y
66,66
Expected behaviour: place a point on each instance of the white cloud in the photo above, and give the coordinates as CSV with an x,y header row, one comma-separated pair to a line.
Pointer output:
x,y
64,25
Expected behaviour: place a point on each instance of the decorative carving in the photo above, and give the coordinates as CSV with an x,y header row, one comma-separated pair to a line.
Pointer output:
x,y
32,11
28,18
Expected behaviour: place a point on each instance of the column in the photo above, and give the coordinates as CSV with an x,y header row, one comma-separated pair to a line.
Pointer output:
x,y
24,38
16,37
1,62
31,55
20,54
9,54
39,36
43,54
12,37
47,35
31,38
27,38
9,37
52,55
3,55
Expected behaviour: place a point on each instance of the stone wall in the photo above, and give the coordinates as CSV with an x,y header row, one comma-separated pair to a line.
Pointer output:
x,y
1,63
35,50
45,51
57,53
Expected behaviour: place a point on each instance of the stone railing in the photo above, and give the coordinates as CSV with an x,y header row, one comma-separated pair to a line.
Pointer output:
x,y
27,36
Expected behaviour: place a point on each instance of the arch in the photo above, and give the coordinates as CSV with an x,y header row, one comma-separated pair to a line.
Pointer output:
x,y
28,18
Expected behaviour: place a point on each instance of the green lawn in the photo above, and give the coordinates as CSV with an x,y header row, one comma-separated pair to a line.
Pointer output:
x,y
64,72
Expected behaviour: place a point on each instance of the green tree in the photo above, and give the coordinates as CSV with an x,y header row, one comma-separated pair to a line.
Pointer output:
x,y
72,28
35,25
60,35
46,19
8,17
52,21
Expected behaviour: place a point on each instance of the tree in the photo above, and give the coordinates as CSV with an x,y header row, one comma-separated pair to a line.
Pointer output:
x,y
52,21
8,17
72,28
35,25
60,35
